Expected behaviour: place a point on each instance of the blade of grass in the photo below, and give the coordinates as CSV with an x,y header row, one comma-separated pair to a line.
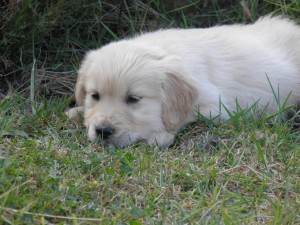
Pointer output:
x,y
115,37
262,156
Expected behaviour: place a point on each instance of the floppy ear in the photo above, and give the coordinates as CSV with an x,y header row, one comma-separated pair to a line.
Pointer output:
x,y
79,96
178,101
80,90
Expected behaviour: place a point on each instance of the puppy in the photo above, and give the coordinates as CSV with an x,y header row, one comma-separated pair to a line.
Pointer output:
x,y
150,86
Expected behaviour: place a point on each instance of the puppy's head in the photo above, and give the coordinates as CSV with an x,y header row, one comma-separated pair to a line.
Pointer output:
x,y
132,93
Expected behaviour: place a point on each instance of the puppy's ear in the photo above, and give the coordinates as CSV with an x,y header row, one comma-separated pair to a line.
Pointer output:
x,y
178,101
80,90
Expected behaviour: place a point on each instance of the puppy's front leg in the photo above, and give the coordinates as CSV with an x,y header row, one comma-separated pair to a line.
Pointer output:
x,y
161,139
74,112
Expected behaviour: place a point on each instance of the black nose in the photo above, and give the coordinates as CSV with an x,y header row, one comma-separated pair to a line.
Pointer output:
x,y
104,132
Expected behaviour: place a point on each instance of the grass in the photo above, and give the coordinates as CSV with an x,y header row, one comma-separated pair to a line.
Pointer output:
x,y
244,171
232,173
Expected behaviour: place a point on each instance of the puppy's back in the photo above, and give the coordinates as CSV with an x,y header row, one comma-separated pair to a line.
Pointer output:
x,y
233,60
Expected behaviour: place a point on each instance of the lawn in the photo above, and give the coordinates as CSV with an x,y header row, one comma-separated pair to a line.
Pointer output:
x,y
243,171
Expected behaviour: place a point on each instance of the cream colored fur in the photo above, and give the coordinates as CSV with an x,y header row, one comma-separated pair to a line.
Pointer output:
x,y
175,73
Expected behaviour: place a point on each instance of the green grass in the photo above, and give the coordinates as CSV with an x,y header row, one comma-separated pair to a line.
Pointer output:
x,y
244,171
232,173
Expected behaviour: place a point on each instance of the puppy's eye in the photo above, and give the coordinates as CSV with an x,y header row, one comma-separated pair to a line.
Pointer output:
x,y
133,99
96,96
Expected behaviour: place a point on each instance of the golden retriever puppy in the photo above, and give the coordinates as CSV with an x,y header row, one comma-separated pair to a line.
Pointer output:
x,y
150,86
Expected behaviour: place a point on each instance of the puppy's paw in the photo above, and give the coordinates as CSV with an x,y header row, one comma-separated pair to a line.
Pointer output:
x,y
161,139
74,112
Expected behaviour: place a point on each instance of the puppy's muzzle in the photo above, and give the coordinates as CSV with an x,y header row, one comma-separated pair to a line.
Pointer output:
x,y
105,131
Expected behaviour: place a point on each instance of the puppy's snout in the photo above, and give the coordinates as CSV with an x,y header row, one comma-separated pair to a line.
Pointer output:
x,y
105,132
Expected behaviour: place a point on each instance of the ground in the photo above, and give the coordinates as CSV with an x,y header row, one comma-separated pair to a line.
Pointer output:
x,y
244,171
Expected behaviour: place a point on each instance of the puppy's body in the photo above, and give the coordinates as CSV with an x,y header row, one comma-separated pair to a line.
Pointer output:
x,y
234,61
148,87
